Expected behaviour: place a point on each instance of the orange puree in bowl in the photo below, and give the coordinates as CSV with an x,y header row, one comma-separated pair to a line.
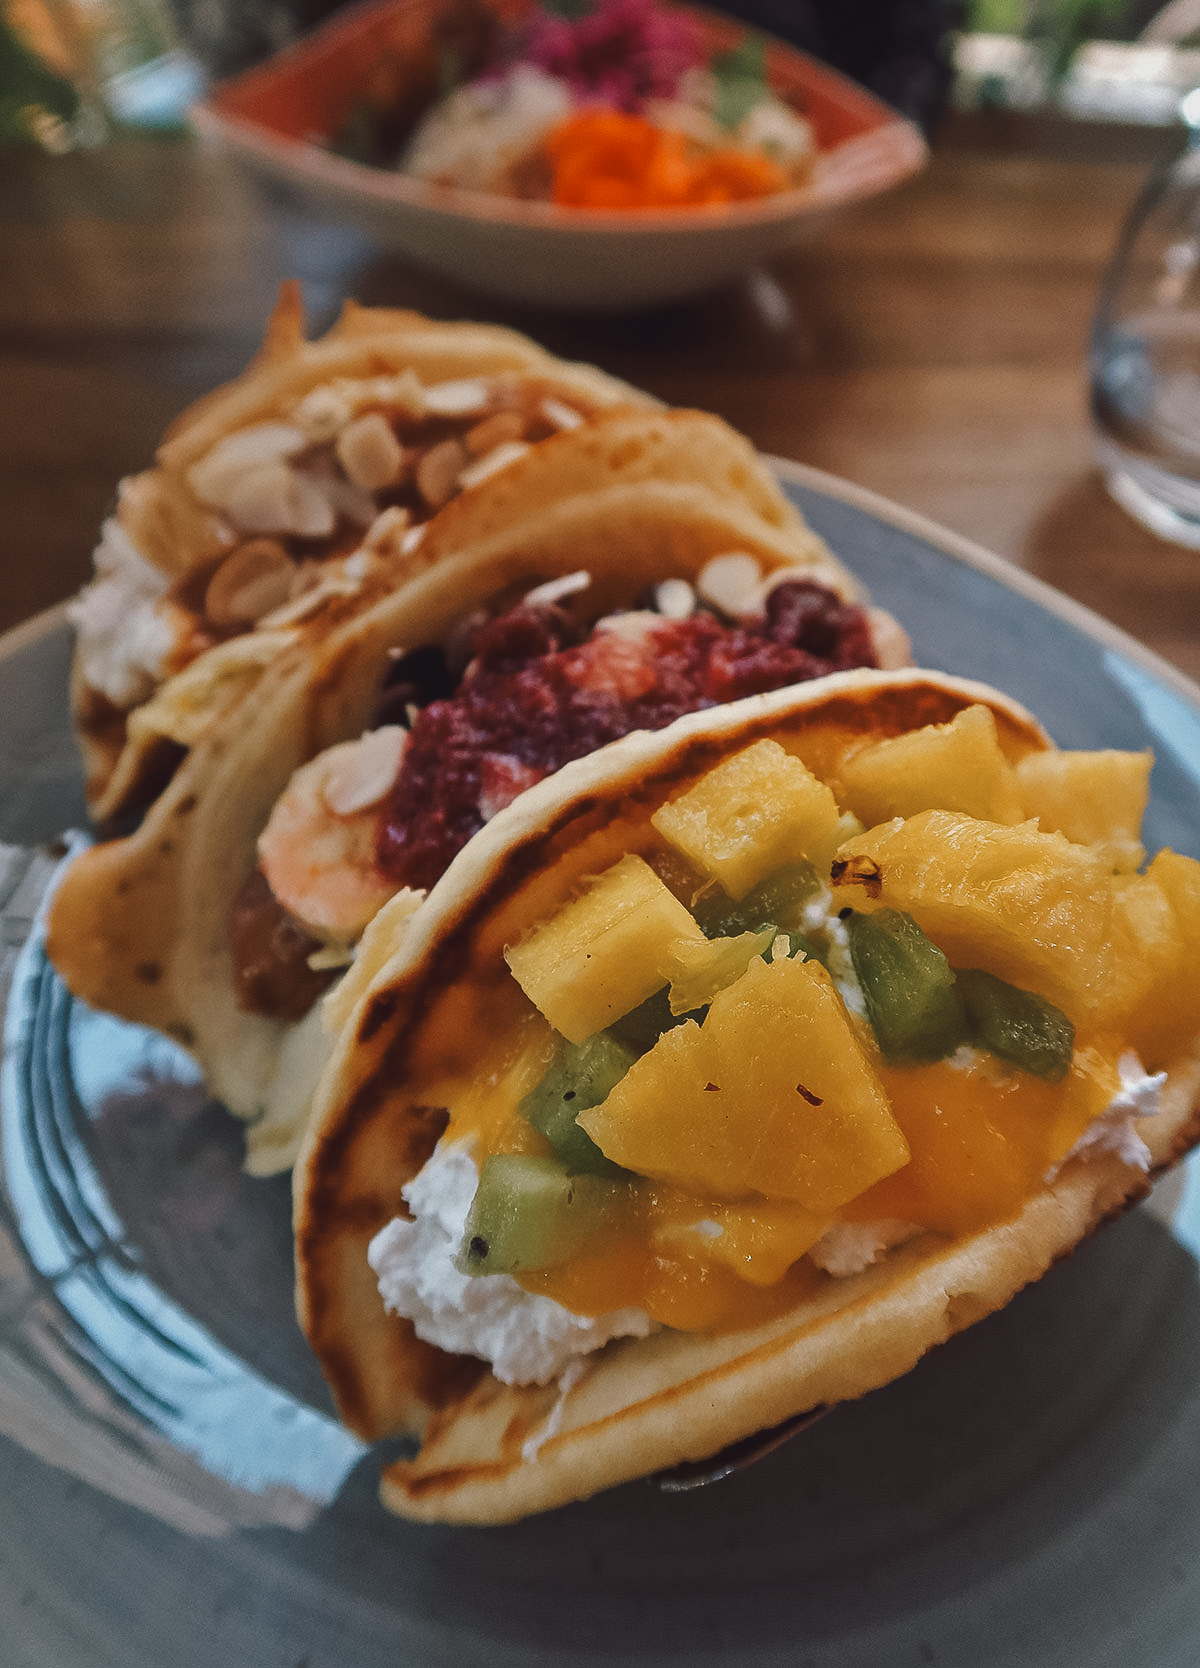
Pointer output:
x,y
606,159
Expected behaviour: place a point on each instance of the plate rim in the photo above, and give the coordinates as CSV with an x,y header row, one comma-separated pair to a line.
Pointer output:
x,y
970,553
27,633
957,546
413,1631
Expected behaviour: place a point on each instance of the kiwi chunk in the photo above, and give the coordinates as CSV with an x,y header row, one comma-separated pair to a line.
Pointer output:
x,y
581,1075
530,1213
908,987
778,901
641,1027
1017,1025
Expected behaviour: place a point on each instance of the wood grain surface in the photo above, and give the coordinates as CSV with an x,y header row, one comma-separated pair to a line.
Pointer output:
x,y
930,345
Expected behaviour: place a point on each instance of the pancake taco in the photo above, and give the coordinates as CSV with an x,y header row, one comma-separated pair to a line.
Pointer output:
x,y
264,496
193,925
728,1071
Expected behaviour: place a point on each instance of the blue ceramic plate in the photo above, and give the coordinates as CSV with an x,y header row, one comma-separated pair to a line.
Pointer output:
x,y
176,1491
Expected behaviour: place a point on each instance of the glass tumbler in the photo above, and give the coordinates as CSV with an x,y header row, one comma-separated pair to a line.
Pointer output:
x,y
1145,351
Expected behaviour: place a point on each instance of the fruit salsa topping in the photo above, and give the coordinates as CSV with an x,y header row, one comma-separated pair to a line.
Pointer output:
x,y
601,104
740,1069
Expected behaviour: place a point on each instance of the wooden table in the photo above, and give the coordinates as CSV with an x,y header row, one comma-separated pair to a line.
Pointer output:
x,y
930,346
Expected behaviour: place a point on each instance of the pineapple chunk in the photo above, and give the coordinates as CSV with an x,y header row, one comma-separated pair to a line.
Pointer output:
x,y
756,812
600,955
943,767
773,1094
1096,799
698,971
1162,908
1032,908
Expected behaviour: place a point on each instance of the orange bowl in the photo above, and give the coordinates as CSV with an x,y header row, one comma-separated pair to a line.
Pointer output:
x,y
279,117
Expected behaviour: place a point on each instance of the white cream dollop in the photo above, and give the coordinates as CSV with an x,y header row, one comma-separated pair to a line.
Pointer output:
x,y
847,1248
125,638
1140,1096
477,135
532,1340
527,1339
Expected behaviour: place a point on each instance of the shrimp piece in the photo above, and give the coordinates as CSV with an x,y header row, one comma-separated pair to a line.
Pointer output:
x,y
318,848
619,659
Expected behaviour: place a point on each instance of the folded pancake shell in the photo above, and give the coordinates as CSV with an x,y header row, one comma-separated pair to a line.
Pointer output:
x,y
648,1403
138,925
228,525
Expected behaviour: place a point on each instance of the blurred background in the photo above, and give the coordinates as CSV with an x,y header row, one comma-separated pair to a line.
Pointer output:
x,y
1127,58
931,343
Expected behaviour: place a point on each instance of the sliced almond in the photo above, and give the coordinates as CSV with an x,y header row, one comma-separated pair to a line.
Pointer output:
x,y
273,498
463,397
259,443
402,392
553,590
361,772
675,599
369,452
333,582
311,508
730,582
387,529
438,471
256,599
500,457
631,625
326,409
332,956
496,430
561,415
295,610
262,499
250,582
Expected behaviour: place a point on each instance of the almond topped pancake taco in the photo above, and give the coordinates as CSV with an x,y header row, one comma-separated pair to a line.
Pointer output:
x,y
728,1071
221,919
264,496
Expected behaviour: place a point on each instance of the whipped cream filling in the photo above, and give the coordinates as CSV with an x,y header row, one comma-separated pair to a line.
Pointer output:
x,y
125,639
530,1339
527,1339
847,1248
1114,1131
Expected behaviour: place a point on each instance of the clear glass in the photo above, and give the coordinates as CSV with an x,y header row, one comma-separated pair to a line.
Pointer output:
x,y
1145,354
124,59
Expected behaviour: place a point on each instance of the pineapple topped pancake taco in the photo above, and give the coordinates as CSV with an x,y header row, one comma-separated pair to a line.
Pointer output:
x,y
285,495
172,927
731,1069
